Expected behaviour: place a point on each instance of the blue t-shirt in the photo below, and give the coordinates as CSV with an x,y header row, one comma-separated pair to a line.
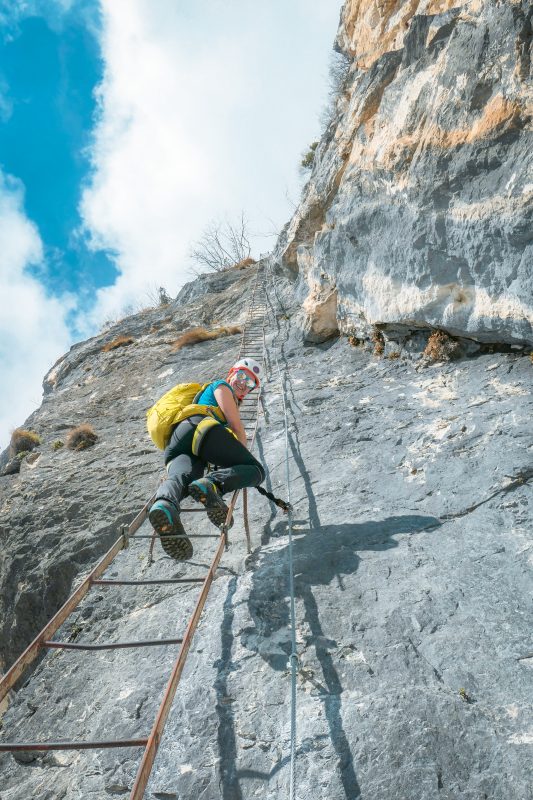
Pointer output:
x,y
207,398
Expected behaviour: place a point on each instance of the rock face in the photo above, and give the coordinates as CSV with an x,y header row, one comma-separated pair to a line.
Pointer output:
x,y
63,496
412,517
410,479
418,211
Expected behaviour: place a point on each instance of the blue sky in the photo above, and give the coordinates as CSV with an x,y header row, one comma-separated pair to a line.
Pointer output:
x,y
125,127
50,64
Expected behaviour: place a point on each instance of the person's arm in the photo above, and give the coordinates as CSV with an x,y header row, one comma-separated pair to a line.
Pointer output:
x,y
229,408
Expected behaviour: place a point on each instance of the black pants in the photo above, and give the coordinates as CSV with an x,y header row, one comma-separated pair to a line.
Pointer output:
x,y
236,466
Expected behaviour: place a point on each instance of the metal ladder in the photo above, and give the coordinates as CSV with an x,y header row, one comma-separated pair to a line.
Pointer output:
x,y
252,344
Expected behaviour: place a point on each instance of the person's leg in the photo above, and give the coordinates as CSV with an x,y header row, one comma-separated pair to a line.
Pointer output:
x,y
180,472
182,466
236,468
164,516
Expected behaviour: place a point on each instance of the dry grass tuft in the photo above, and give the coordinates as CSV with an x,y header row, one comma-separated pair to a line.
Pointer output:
x,y
379,341
81,437
245,262
394,354
22,441
120,341
195,335
441,347
354,340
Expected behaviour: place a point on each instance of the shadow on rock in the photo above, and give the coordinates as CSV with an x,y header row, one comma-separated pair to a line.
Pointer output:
x,y
320,557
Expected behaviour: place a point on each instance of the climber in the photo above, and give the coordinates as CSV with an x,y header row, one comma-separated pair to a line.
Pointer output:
x,y
198,441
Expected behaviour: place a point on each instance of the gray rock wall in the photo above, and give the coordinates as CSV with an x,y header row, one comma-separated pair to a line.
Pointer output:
x,y
77,499
410,479
418,210
412,496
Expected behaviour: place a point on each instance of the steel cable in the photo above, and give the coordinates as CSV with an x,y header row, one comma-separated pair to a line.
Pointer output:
x,y
293,660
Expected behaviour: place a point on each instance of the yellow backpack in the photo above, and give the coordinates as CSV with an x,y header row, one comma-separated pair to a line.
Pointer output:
x,y
176,405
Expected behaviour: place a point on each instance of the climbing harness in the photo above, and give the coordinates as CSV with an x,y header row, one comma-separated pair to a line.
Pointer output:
x,y
252,346
201,430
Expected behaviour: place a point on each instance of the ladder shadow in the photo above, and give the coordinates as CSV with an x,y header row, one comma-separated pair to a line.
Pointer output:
x,y
226,739
320,556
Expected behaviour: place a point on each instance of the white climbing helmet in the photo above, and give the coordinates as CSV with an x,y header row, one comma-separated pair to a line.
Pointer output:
x,y
250,366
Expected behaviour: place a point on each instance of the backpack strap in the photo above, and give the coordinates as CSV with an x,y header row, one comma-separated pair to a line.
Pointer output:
x,y
200,393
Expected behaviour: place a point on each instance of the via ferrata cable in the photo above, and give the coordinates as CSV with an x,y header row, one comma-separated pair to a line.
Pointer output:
x,y
293,663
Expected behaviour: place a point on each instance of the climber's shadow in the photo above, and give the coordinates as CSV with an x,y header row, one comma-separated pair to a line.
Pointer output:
x,y
321,556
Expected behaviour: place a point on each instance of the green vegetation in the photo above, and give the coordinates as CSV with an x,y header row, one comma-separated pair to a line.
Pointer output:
x,y
309,157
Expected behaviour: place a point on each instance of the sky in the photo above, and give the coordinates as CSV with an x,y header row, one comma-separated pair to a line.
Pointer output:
x,y
126,127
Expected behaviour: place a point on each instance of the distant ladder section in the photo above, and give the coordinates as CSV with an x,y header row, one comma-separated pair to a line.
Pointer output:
x,y
252,345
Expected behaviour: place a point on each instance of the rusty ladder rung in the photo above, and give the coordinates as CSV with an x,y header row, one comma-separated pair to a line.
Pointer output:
x,y
177,536
109,646
11,747
147,583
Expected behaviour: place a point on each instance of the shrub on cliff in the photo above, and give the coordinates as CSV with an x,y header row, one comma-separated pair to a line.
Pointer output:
x,y
379,341
309,157
157,296
200,334
22,441
441,347
338,75
81,437
120,341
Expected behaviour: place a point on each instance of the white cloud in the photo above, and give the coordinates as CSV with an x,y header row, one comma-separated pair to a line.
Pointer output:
x,y
33,333
204,110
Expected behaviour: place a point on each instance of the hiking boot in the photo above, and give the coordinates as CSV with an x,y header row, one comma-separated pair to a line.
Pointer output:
x,y
165,520
206,492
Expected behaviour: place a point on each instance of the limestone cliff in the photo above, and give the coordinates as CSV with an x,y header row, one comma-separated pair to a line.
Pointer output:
x,y
418,210
410,478
410,483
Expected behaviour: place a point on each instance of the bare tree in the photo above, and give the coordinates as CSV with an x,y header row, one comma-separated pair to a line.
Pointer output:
x,y
338,75
164,299
157,295
222,245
